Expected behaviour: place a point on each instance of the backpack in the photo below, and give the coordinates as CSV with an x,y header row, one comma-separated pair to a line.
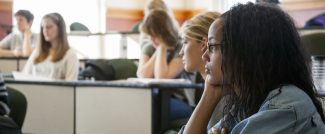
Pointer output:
x,y
99,69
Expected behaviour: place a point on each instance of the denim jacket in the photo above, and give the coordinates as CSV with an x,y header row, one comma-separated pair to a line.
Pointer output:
x,y
286,110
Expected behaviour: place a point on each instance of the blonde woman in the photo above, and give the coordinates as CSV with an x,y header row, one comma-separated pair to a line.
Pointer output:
x,y
161,59
53,58
194,33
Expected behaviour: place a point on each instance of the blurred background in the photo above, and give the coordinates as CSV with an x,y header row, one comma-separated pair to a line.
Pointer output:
x,y
110,23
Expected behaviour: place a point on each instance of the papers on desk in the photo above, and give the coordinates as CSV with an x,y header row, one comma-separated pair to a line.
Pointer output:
x,y
29,77
159,81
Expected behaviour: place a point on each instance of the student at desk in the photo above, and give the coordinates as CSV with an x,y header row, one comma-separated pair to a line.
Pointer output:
x,y
22,43
151,5
194,33
53,58
160,59
263,65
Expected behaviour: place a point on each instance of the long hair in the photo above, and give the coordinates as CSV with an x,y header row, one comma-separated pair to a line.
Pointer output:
x,y
44,46
261,51
160,4
160,25
198,26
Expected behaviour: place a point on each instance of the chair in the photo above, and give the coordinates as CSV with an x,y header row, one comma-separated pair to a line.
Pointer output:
x,y
317,21
179,123
315,43
135,27
316,47
18,106
76,26
123,68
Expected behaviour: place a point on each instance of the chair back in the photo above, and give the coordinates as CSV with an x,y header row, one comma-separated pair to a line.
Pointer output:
x,y
315,43
76,26
135,27
123,68
199,91
18,106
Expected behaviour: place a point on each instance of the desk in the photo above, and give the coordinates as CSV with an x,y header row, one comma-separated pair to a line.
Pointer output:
x,y
9,64
94,107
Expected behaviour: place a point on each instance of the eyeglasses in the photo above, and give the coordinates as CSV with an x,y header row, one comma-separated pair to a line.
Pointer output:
x,y
211,45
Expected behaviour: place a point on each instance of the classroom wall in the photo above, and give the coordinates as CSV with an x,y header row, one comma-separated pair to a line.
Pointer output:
x,y
122,15
122,19
303,10
301,17
6,17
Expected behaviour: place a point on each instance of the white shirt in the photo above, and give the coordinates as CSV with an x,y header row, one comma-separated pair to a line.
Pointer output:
x,y
65,69
14,40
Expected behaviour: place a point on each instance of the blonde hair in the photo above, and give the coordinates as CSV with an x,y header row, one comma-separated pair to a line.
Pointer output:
x,y
198,27
159,24
44,46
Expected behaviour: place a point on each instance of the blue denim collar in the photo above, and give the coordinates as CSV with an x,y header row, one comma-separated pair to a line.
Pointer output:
x,y
273,93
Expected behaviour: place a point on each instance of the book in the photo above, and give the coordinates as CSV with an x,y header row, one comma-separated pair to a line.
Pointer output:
x,y
28,77
159,81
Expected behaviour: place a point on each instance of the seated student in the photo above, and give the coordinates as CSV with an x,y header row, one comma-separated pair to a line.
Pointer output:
x,y
53,58
23,43
261,62
156,4
194,34
7,125
161,59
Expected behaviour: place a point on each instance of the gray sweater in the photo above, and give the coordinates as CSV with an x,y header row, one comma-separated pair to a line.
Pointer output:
x,y
217,113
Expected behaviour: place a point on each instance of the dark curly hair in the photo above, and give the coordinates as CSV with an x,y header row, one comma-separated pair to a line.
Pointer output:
x,y
262,51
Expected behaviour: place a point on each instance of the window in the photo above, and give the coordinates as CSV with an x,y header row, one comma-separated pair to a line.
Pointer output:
x,y
86,12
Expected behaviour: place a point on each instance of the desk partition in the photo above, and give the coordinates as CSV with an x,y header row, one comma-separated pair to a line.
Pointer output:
x,y
115,110
7,65
50,108
89,46
93,107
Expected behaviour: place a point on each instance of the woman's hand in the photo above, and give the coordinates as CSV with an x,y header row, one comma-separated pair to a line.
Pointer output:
x,y
162,47
27,33
215,131
214,90
17,51
155,42
164,70
202,113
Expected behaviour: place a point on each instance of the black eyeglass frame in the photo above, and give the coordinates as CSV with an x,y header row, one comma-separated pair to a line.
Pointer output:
x,y
209,46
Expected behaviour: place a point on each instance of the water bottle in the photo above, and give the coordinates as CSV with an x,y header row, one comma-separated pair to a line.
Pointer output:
x,y
318,70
